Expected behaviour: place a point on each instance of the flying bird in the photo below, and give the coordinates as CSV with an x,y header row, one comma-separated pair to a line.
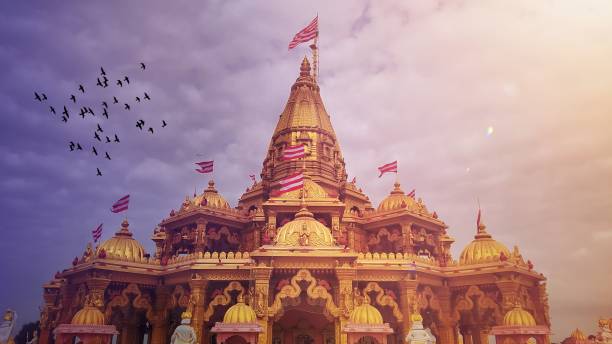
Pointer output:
x,y
116,138
108,140
81,88
151,130
102,72
164,123
65,119
98,173
44,96
79,146
138,99
65,112
126,79
99,128
93,149
97,137
126,106
73,98
37,97
52,109
82,113
146,96
105,113
105,82
142,66
99,83
115,101
91,111
139,124
107,156
119,83
72,145
105,105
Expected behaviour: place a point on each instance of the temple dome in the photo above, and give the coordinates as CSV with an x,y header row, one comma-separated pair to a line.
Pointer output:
x,y
366,314
212,197
396,200
123,245
482,249
578,335
517,316
317,234
89,315
240,313
313,190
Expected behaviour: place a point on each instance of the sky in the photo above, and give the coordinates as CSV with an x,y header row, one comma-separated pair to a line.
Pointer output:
x,y
502,102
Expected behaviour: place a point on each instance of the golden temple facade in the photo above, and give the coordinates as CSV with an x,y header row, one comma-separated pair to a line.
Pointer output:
x,y
315,265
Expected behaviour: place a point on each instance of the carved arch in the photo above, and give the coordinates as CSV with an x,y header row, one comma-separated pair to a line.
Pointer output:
x,y
427,298
315,292
178,298
123,300
223,299
382,299
465,303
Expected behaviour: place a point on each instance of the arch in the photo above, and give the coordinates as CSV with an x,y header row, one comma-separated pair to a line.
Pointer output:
x,y
465,303
366,339
224,298
123,300
290,293
178,298
383,299
428,299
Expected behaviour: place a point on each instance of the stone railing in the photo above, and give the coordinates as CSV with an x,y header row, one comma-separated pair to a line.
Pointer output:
x,y
393,258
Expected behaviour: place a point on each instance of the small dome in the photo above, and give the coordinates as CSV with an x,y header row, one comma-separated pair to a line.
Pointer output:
x,y
482,249
89,315
240,313
517,316
212,197
578,335
313,190
304,230
122,245
366,314
398,200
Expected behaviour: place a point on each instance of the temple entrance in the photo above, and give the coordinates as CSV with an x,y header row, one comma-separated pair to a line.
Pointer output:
x,y
305,324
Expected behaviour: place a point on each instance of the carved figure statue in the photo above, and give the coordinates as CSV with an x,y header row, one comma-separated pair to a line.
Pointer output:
x,y
604,333
6,325
184,333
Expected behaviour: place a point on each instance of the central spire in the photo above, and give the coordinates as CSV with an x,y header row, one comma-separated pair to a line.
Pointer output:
x,y
305,121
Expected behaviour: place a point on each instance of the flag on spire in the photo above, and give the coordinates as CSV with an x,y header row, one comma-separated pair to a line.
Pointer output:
x,y
390,167
412,193
253,178
121,204
294,152
97,233
205,166
290,183
306,34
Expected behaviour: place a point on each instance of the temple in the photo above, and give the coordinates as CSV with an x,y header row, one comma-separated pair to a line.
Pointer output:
x,y
319,265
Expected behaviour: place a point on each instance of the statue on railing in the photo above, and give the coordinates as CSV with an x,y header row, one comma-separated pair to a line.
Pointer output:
x,y
6,326
184,333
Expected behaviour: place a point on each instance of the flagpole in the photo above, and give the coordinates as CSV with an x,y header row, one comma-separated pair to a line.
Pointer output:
x,y
315,58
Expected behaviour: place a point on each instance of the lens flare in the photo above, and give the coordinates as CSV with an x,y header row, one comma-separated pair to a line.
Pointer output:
x,y
490,131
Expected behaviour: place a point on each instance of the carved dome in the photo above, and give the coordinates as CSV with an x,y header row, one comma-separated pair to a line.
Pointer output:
x,y
578,335
517,316
366,314
397,200
482,249
89,315
313,190
240,313
304,225
123,245
212,197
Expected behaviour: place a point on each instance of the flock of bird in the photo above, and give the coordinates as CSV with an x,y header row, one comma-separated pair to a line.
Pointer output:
x,y
99,134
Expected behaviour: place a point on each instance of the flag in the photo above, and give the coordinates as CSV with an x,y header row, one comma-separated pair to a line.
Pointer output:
x,y
290,183
354,180
205,166
121,204
294,152
412,193
97,233
478,219
306,34
390,167
253,178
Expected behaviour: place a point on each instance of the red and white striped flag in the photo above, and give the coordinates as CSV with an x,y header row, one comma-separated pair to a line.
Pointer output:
x,y
253,178
290,183
97,233
205,166
121,204
306,34
294,152
390,167
412,193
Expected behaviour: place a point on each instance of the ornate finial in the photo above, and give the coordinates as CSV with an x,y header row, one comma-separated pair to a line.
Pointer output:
x,y
396,189
211,184
305,67
125,229
303,212
240,298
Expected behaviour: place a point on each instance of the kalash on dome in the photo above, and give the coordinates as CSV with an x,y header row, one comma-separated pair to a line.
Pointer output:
x,y
318,265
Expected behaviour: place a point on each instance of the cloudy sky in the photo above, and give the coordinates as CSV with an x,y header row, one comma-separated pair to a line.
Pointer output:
x,y
418,81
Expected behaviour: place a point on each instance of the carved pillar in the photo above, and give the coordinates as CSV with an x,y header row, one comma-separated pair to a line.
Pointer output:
x,y
407,236
200,234
345,275
351,236
67,294
159,318
262,289
97,287
408,296
448,324
509,289
197,303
